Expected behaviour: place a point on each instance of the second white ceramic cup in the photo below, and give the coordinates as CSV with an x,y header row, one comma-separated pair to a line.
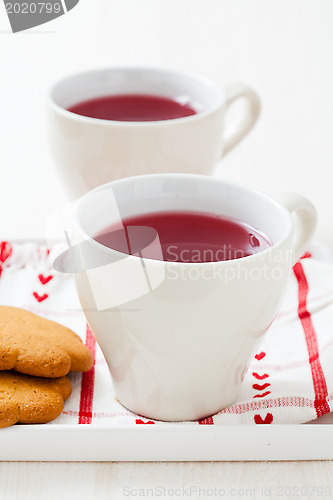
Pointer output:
x,y
177,336
89,152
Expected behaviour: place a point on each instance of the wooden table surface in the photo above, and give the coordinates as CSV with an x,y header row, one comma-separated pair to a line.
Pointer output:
x,y
87,481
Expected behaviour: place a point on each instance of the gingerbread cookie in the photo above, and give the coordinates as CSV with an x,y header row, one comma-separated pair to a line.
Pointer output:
x,y
31,400
40,347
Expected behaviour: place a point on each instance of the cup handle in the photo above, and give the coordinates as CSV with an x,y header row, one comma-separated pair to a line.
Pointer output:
x,y
305,220
233,92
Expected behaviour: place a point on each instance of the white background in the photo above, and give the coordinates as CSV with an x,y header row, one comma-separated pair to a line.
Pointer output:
x,y
282,48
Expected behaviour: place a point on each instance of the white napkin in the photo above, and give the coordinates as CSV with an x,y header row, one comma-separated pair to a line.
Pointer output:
x,y
290,380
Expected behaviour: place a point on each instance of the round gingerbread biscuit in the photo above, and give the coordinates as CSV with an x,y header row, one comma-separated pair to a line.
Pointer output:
x,y
31,400
37,346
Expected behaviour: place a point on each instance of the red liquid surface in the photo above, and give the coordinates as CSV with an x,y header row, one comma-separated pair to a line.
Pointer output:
x,y
184,237
133,108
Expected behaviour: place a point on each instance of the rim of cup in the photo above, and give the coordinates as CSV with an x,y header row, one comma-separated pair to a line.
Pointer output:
x,y
221,97
260,255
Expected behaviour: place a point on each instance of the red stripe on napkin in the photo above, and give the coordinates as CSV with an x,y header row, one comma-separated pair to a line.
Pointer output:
x,y
87,384
319,382
206,421
260,404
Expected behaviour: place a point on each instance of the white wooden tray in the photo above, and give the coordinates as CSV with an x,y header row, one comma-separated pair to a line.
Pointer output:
x,y
166,443
172,442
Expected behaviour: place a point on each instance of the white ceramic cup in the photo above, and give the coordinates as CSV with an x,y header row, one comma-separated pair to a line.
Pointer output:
x,y
177,336
89,152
